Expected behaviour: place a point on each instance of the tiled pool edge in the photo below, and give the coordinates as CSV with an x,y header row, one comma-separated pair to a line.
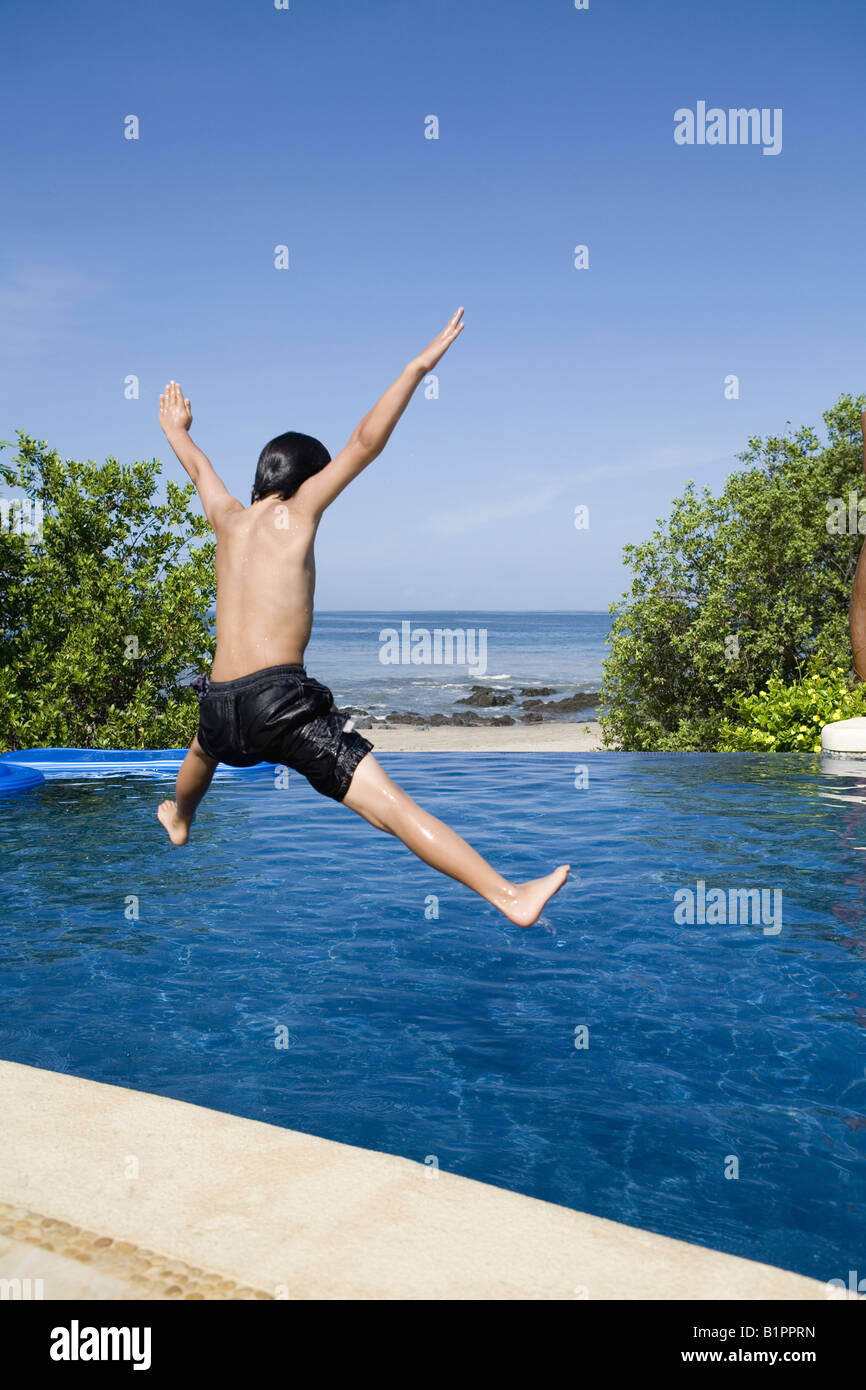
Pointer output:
x,y
70,1259
215,1206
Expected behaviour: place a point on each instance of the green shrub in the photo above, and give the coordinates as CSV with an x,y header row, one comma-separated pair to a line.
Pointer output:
x,y
789,718
753,572
101,616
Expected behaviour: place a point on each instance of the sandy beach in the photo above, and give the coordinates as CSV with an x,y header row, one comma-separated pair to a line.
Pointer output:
x,y
577,737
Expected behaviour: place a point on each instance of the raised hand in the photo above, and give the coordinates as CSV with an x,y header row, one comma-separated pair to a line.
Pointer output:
x,y
441,343
174,409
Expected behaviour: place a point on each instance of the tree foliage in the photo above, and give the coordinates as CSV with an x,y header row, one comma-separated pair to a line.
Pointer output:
x,y
735,590
789,718
103,613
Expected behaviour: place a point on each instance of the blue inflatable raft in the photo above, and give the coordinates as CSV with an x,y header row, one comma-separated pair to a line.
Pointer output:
x,y
14,779
24,769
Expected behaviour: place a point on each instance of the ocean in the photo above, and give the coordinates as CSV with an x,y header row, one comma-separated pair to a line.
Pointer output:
x,y
386,662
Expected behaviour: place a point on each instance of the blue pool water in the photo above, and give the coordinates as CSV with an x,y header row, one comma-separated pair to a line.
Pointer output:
x,y
456,1037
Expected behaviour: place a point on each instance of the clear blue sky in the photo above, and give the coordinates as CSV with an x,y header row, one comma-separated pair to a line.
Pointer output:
x,y
306,127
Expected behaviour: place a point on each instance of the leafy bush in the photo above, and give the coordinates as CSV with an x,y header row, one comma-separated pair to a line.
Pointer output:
x,y
102,615
732,591
789,718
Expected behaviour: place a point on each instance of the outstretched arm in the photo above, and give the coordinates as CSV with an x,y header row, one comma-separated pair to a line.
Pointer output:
x,y
175,417
372,434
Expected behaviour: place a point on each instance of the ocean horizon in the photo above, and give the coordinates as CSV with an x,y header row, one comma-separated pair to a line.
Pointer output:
x,y
384,661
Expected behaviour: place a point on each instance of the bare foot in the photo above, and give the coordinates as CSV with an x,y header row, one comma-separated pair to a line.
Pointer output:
x,y
524,904
178,829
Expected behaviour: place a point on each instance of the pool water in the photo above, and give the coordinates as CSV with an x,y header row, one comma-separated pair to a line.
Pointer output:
x,y
290,966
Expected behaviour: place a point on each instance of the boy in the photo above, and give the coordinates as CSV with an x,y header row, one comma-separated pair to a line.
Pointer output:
x,y
260,705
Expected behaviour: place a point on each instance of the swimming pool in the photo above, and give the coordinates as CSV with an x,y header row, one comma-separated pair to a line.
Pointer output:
x,y
290,966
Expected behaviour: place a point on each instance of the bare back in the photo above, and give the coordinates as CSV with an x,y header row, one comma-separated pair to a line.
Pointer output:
x,y
266,578
266,572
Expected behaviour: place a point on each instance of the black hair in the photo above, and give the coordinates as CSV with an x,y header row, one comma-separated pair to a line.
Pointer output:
x,y
285,463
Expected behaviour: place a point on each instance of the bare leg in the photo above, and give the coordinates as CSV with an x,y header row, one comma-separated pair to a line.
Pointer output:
x,y
380,801
857,612
193,780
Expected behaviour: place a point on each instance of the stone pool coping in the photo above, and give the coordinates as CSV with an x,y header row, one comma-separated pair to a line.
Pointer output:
x,y
228,1208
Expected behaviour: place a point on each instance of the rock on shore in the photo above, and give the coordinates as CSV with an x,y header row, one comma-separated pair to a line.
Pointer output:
x,y
533,709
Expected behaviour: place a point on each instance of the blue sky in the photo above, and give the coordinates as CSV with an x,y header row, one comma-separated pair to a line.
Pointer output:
x,y
602,387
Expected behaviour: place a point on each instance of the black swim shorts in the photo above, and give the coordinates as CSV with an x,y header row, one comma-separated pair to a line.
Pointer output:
x,y
280,715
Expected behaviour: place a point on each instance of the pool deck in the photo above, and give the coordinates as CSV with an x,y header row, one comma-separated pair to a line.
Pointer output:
x,y
107,1193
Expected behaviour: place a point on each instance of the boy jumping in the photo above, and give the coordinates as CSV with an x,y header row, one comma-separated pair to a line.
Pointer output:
x,y
260,705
